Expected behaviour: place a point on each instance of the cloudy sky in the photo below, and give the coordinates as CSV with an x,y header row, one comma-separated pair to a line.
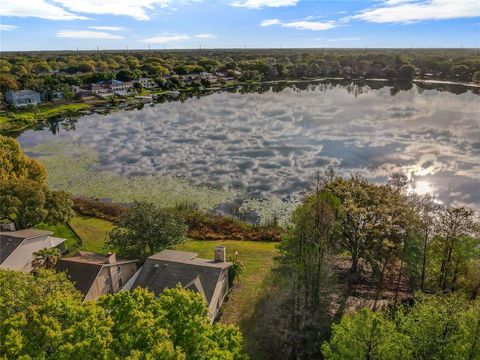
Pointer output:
x,y
116,24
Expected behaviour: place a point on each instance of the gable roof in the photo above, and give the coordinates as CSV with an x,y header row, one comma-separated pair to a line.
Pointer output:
x,y
10,240
84,267
169,267
83,275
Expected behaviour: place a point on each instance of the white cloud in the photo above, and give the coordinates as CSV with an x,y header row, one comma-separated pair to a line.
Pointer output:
x,y
87,34
206,36
310,25
258,4
301,25
108,28
344,39
138,9
165,39
36,8
407,11
270,22
4,27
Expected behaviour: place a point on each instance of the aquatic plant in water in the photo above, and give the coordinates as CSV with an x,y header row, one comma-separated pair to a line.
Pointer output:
x,y
74,168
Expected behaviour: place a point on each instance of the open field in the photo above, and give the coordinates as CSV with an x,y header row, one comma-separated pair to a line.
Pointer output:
x,y
92,232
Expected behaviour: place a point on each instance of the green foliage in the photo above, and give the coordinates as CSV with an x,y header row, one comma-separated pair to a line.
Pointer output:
x,y
24,198
435,327
42,317
45,258
145,229
366,335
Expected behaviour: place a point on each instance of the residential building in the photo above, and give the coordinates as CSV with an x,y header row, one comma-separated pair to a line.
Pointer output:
x,y
17,247
168,268
95,275
147,83
22,98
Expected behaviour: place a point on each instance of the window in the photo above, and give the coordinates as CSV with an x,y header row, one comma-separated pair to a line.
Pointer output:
x,y
120,283
107,281
119,269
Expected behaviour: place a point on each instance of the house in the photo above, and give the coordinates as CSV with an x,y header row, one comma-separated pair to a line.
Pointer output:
x,y
117,86
168,268
147,83
95,274
23,98
17,247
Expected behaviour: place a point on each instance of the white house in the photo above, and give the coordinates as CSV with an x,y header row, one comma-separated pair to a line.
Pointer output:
x,y
17,247
23,98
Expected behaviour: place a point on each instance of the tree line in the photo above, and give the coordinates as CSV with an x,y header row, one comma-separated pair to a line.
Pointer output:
x,y
374,271
48,71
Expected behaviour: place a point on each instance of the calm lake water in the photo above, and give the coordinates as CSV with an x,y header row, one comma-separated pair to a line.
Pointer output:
x,y
270,142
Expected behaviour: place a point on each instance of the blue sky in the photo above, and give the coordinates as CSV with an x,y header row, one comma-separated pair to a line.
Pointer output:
x,y
178,24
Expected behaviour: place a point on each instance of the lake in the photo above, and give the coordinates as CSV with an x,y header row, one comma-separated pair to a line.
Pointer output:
x,y
268,142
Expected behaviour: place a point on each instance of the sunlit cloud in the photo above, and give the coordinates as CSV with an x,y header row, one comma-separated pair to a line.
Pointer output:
x,y
206,36
401,11
4,27
165,39
301,24
258,4
108,28
87,34
36,8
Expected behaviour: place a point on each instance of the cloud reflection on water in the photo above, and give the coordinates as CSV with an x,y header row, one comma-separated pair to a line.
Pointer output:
x,y
272,143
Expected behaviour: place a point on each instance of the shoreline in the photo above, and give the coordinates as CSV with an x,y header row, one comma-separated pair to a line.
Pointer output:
x,y
13,122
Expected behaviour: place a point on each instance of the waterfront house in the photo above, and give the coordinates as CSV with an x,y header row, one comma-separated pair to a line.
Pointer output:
x,y
17,247
95,274
147,83
23,98
168,268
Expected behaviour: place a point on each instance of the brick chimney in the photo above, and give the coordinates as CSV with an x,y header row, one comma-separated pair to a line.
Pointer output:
x,y
220,254
110,258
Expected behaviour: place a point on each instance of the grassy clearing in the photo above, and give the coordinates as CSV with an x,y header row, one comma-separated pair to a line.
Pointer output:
x,y
92,232
21,119
62,231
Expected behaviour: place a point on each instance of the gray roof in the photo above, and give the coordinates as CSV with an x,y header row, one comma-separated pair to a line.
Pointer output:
x,y
83,268
169,268
10,240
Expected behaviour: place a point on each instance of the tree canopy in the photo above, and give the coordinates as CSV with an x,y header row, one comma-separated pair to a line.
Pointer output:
x,y
145,229
24,196
42,316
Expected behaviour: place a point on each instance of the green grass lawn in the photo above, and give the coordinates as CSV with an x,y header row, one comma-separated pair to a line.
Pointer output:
x,y
92,231
63,231
20,119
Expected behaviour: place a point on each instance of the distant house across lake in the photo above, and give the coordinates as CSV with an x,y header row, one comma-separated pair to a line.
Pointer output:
x,y
23,98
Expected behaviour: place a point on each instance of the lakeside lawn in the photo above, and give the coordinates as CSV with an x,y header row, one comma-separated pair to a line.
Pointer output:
x,y
21,119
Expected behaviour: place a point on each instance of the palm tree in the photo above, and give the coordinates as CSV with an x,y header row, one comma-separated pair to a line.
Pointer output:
x,y
45,258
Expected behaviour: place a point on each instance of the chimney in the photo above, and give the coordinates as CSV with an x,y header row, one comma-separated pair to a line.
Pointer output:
x,y
110,258
220,254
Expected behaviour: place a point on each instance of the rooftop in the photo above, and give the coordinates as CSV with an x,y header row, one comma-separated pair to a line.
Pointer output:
x,y
10,240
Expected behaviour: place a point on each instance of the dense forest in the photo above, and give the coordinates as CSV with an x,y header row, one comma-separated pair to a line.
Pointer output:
x,y
41,71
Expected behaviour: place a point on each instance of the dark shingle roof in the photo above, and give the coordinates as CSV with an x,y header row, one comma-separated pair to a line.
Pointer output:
x,y
10,240
81,274
7,245
168,268
83,268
